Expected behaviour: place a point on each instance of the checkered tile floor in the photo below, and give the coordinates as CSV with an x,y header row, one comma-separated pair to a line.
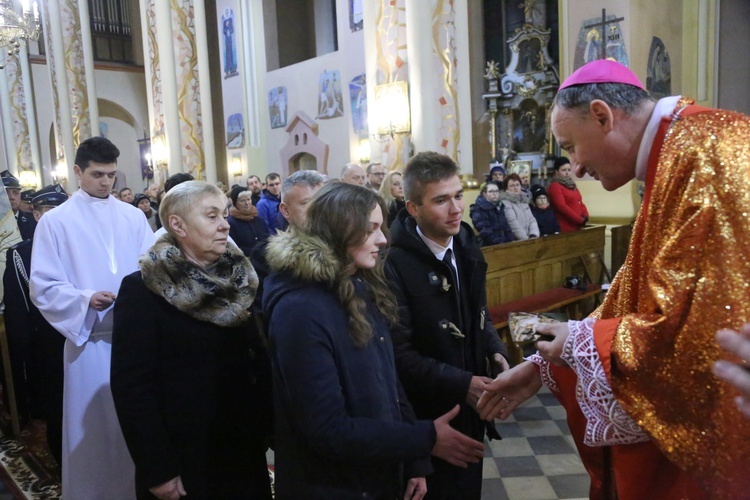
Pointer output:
x,y
536,459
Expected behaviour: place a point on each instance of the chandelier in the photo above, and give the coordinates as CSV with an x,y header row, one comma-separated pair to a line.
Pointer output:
x,y
16,29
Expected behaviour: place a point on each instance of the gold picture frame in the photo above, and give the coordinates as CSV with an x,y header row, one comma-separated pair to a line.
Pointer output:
x,y
520,166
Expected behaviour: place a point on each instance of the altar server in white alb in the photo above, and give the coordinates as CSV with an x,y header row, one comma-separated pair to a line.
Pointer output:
x,y
82,250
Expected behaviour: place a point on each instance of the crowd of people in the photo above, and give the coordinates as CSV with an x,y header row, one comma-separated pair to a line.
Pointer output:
x,y
170,338
510,208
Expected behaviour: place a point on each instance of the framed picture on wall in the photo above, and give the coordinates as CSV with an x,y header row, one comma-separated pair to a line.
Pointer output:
x,y
521,167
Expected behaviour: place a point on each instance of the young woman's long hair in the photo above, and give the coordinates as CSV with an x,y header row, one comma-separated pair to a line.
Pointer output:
x,y
340,216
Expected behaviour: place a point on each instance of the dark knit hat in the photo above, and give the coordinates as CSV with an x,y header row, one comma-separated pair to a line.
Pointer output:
x,y
559,162
537,191
235,193
138,198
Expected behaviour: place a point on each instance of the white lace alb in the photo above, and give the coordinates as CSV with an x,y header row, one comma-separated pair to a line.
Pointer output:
x,y
606,422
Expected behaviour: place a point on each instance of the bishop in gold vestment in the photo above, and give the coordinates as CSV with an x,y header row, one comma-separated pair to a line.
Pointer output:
x,y
649,417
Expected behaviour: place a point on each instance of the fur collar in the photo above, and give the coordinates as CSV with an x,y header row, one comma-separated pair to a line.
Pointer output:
x,y
221,297
303,256
247,215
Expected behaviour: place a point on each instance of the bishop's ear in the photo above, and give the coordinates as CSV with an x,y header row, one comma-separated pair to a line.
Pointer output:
x,y
601,113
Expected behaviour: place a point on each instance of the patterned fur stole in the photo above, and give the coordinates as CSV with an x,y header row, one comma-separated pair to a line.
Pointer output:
x,y
222,297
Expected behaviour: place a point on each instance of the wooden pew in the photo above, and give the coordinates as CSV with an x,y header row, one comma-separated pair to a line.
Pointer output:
x,y
527,276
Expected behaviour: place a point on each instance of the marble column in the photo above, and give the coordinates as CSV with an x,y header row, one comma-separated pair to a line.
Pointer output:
x,y
18,118
437,37
175,45
71,76
386,58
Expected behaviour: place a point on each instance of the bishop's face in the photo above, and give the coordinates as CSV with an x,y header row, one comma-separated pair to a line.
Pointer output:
x,y
594,144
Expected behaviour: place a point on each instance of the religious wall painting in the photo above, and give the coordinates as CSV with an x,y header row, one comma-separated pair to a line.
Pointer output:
x,y
277,102
235,131
529,127
356,15
522,168
530,56
600,38
229,43
659,70
330,100
358,96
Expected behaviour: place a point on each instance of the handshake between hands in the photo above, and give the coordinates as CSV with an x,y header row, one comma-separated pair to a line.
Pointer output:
x,y
514,386
496,398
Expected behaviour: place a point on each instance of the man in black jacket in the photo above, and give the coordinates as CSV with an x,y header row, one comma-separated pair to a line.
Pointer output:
x,y
445,344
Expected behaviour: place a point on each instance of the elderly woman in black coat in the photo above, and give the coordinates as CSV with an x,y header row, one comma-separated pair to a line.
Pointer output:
x,y
246,227
344,428
190,375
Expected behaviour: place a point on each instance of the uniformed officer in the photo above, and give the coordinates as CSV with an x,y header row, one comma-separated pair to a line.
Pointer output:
x,y
26,197
36,348
26,222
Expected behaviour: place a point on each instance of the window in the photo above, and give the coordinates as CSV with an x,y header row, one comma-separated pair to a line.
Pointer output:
x,y
111,30
298,30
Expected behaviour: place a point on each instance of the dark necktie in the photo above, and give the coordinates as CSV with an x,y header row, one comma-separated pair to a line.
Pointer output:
x,y
448,260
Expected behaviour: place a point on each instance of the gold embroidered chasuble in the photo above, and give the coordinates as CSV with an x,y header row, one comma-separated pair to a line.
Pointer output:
x,y
687,275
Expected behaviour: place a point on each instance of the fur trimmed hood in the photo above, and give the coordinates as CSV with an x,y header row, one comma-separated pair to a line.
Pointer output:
x,y
303,256
221,296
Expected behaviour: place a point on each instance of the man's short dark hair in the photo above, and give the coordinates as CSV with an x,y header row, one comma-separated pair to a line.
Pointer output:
x,y
124,189
426,168
369,167
97,149
175,179
251,176
272,176
620,96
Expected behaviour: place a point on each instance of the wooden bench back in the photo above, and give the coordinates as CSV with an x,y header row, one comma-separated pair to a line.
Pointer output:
x,y
523,268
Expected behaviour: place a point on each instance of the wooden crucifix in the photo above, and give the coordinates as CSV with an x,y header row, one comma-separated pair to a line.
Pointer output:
x,y
603,23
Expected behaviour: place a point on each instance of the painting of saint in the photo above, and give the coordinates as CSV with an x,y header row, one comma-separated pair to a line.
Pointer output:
x,y
230,43
277,106
358,95
235,131
355,15
659,71
529,127
591,38
330,101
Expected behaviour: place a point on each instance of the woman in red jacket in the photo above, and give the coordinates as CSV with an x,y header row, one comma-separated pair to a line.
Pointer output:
x,y
566,199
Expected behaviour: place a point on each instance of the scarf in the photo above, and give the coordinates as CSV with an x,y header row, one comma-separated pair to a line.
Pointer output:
x,y
221,296
568,182
515,197
247,215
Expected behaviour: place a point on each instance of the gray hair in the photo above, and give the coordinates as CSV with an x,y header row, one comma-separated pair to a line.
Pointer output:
x,y
307,178
627,98
183,197
347,167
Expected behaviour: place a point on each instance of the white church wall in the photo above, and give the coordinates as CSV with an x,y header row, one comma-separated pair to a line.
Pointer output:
x,y
302,82
127,90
